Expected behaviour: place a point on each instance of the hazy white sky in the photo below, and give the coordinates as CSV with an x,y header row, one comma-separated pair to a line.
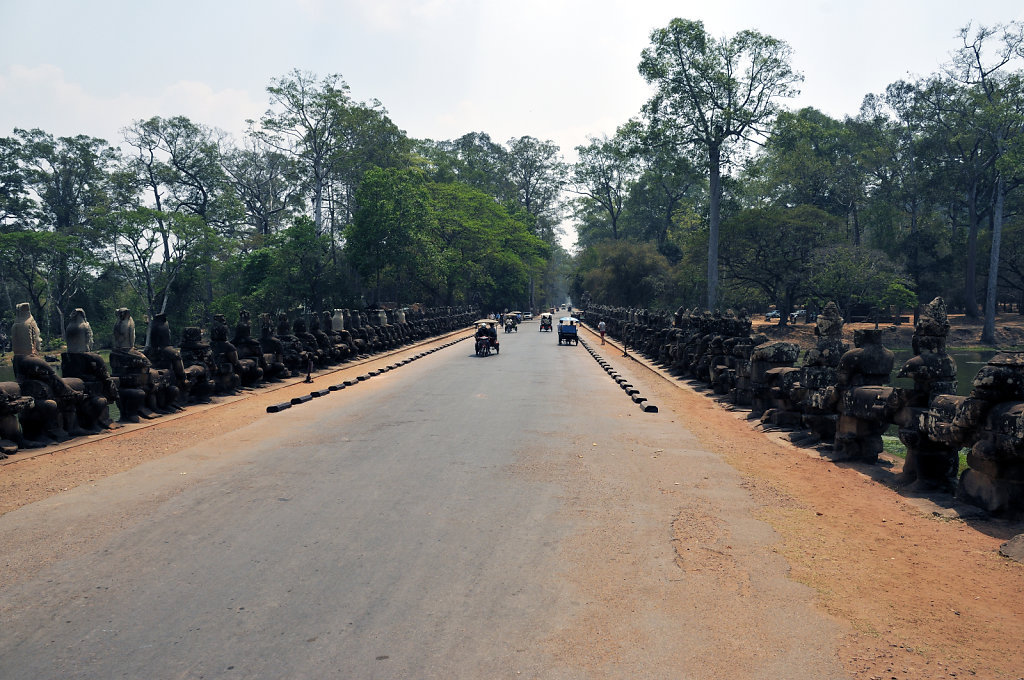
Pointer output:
x,y
554,69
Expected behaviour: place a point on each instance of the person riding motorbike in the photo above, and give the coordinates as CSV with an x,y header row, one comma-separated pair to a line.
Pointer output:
x,y
490,332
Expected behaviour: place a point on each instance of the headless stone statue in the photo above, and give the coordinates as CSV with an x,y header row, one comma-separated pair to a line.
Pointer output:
x,y
132,370
227,366
273,350
79,361
197,358
308,342
166,357
250,354
294,357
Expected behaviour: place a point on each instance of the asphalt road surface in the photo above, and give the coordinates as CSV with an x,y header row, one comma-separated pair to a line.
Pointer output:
x,y
514,516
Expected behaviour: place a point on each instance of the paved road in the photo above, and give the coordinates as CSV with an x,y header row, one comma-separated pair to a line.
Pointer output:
x,y
450,519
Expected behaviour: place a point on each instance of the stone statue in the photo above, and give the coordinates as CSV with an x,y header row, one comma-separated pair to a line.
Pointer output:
x,y
250,353
197,359
273,351
929,463
308,342
40,381
79,361
227,368
295,358
866,403
819,398
166,357
12,406
144,391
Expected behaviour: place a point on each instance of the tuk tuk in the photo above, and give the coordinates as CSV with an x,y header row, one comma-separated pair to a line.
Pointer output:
x,y
567,330
486,336
545,322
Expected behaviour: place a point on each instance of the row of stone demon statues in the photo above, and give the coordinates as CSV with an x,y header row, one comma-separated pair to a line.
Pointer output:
x,y
841,396
43,406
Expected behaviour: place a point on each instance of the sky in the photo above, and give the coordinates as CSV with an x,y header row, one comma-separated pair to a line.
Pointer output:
x,y
559,70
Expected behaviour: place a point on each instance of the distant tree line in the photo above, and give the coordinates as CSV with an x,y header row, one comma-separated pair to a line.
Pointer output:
x,y
716,196
324,203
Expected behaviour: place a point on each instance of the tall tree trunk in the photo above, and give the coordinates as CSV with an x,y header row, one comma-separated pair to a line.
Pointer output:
x,y
715,158
988,332
318,202
971,269
856,226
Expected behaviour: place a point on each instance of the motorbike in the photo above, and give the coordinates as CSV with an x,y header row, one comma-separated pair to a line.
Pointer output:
x,y
485,345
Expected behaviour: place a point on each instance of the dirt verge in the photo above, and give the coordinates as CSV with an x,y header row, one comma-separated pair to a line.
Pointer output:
x,y
925,596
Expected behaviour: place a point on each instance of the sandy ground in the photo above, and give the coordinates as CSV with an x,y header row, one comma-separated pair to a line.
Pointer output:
x,y
924,596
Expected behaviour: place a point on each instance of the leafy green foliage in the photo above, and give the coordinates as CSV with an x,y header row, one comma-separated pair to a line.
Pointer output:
x,y
623,273
772,250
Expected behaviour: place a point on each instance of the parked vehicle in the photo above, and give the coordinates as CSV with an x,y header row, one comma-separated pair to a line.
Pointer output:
x,y
773,315
567,330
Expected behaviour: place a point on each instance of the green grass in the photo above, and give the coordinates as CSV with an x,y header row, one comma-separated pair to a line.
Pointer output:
x,y
894,447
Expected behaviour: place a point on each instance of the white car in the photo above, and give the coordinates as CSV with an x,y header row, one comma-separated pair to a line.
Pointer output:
x,y
527,316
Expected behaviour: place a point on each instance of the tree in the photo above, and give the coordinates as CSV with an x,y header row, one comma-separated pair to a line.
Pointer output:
x,y
478,247
772,249
179,172
474,160
601,176
151,249
288,269
850,275
301,122
622,273
265,182
999,99
15,203
69,176
669,180
714,94
384,237
813,159
949,111
537,174
15,206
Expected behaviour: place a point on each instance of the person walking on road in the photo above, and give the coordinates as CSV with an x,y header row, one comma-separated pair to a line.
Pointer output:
x,y
600,327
